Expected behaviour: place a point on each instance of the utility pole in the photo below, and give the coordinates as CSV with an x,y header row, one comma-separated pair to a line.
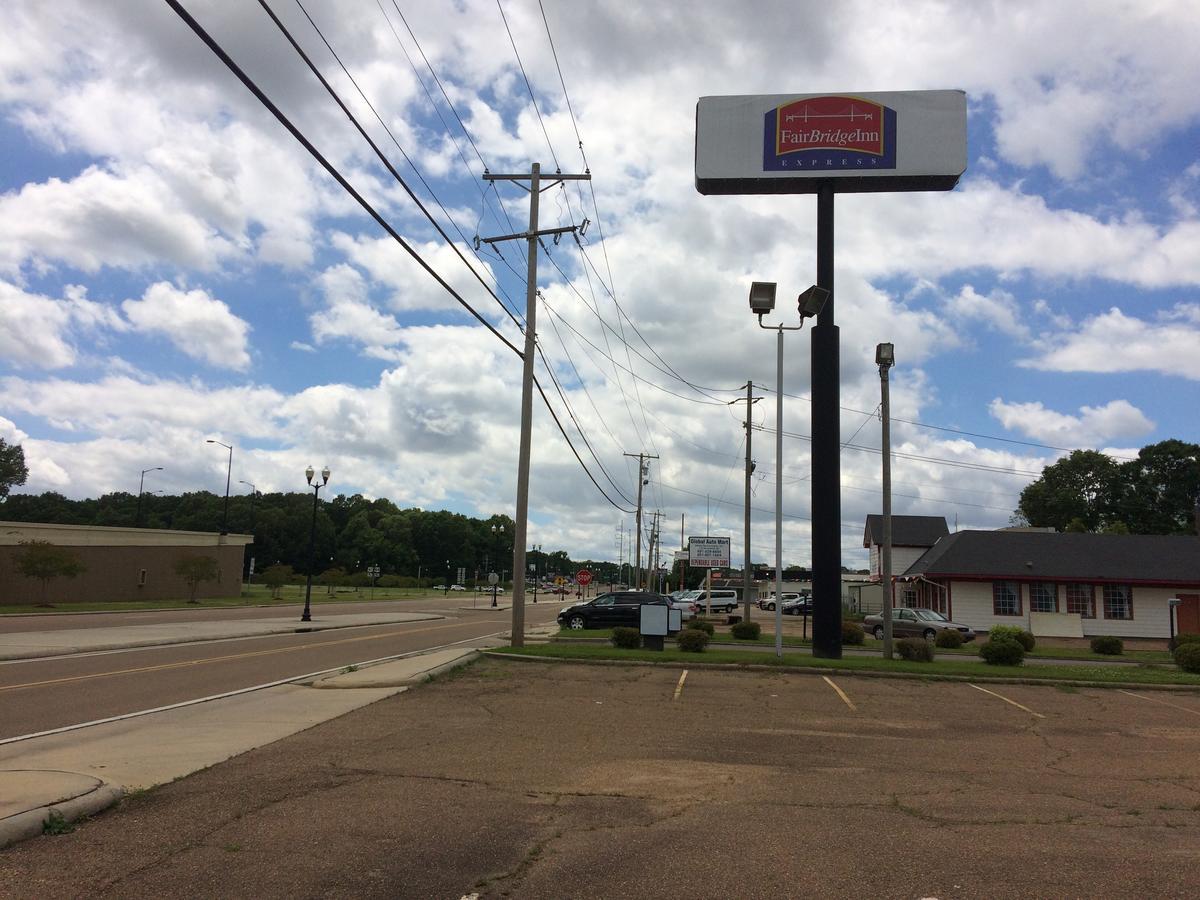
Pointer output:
x,y
535,189
643,470
747,577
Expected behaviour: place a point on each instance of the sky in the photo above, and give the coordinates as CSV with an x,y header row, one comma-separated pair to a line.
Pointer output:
x,y
175,267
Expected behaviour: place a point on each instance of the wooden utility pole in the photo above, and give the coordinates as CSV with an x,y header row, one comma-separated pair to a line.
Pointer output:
x,y
521,518
643,470
747,575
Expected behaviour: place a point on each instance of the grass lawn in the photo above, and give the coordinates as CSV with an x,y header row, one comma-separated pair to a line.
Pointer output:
x,y
970,649
252,595
956,667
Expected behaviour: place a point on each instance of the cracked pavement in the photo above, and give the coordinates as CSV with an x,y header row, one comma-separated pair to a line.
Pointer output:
x,y
534,780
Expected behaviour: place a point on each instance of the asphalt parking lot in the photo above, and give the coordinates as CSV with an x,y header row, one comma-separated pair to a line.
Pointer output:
x,y
543,780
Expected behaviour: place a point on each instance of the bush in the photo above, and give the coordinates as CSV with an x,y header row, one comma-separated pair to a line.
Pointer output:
x,y
1187,657
852,633
949,638
1013,632
692,640
1003,651
915,649
700,625
746,631
626,638
1181,639
1108,645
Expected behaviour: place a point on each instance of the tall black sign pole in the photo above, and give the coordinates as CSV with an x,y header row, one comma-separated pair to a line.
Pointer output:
x,y
826,450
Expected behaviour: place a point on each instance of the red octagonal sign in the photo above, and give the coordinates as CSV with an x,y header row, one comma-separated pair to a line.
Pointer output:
x,y
583,577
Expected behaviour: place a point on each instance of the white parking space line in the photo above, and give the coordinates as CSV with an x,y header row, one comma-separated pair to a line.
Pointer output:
x,y
1006,700
679,687
1186,709
840,693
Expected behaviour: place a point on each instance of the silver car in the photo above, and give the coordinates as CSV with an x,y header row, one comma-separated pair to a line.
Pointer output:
x,y
907,622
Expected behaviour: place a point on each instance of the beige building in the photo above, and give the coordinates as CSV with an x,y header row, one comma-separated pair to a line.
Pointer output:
x,y
121,563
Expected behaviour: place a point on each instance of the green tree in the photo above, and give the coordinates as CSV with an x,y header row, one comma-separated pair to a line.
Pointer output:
x,y
196,570
13,470
275,577
45,561
1083,486
1159,490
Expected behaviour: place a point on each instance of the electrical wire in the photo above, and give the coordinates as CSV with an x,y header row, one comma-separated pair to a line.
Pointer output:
x,y
532,98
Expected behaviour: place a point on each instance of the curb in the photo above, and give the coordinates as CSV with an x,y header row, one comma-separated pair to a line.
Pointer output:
x,y
29,824
982,678
324,684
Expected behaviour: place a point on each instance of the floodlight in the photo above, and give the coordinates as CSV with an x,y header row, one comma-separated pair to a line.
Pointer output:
x,y
885,355
762,297
812,301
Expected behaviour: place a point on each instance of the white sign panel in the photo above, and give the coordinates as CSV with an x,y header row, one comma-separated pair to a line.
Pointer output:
x,y
708,552
791,143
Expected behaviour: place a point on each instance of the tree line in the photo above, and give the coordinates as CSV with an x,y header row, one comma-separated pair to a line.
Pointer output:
x,y
352,532
1155,493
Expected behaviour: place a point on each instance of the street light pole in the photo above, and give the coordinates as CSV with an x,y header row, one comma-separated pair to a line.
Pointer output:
x,y
885,358
306,616
809,303
228,474
137,518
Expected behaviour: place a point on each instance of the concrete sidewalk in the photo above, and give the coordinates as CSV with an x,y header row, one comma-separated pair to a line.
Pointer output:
x,y
38,644
79,773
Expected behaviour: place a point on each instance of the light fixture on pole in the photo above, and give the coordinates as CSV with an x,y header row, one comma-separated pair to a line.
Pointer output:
x,y
228,474
137,518
809,304
496,530
1172,604
312,538
885,358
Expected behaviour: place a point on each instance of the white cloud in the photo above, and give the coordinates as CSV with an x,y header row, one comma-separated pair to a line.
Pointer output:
x,y
201,326
1095,426
997,309
1116,342
40,332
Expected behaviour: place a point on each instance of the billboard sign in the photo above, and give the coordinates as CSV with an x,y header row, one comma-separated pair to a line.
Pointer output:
x,y
791,143
708,552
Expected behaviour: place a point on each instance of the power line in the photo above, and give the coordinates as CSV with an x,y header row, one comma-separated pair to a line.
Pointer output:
x,y
529,87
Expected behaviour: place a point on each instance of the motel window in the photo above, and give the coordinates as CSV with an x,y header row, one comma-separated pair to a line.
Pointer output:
x,y
1081,601
1118,601
908,597
1006,598
141,577
1043,597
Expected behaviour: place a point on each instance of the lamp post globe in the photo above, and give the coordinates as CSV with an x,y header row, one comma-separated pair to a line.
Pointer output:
x,y
306,616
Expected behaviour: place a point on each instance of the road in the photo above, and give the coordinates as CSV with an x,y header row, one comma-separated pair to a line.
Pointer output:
x,y
38,695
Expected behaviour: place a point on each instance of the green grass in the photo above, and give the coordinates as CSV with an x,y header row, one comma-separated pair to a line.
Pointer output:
x,y
970,649
957,667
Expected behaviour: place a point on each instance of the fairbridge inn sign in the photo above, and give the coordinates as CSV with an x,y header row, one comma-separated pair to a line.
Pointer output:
x,y
788,143
829,144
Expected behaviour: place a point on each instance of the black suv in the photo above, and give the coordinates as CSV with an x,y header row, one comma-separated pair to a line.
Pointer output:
x,y
609,610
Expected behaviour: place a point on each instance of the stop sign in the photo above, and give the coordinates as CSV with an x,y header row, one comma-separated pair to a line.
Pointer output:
x,y
583,577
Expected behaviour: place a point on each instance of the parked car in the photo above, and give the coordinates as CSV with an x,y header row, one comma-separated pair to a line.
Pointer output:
x,y
687,608
722,600
457,587
801,605
907,622
768,602
610,610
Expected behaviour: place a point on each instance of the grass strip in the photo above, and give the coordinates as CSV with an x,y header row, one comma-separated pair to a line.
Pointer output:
x,y
960,668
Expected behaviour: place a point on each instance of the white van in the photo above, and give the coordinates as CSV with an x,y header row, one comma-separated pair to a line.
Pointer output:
x,y
722,601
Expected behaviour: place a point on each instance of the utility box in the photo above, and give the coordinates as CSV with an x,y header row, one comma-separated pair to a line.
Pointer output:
x,y
656,622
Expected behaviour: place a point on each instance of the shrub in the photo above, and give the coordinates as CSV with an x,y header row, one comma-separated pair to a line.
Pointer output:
x,y
852,633
1187,657
626,638
915,649
1003,651
700,625
692,640
1108,645
949,638
1181,639
1013,632
746,631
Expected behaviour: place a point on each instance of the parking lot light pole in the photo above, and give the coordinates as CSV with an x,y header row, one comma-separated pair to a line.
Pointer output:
x,y
228,475
306,616
762,301
885,358
137,519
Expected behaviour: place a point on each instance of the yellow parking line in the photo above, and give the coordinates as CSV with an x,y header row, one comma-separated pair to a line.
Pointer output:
x,y
840,693
679,687
1163,702
1006,700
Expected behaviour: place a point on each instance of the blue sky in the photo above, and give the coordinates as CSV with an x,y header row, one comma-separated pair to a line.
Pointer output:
x,y
174,267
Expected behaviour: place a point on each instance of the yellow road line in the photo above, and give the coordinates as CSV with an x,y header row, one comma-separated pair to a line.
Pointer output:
x,y
679,687
211,659
1006,700
840,693
1187,709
